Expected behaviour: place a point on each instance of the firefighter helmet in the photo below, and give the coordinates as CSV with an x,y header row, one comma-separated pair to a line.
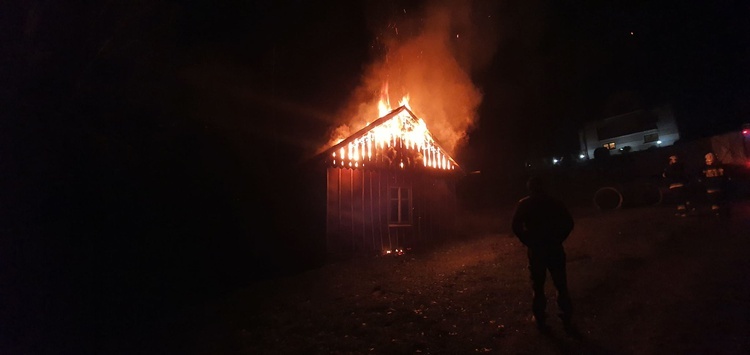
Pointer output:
x,y
710,158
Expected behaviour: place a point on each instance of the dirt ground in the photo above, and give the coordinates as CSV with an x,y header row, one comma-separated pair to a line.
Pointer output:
x,y
643,281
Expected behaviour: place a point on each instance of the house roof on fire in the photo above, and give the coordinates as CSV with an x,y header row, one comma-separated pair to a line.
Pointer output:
x,y
396,140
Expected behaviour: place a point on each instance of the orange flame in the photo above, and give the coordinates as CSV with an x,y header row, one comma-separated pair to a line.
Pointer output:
x,y
400,141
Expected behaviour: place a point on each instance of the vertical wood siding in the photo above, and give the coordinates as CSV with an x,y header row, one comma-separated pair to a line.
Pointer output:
x,y
357,211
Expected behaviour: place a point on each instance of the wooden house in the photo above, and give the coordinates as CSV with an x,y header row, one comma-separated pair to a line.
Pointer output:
x,y
390,187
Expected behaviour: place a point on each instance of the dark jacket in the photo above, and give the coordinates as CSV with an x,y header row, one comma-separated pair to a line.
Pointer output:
x,y
675,174
541,221
713,176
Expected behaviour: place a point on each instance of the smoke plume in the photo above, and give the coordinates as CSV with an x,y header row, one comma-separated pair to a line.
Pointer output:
x,y
428,56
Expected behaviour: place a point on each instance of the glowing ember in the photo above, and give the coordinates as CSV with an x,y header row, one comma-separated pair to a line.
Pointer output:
x,y
396,252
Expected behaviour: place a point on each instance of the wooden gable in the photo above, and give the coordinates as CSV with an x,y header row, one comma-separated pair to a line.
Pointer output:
x,y
398,140
390,187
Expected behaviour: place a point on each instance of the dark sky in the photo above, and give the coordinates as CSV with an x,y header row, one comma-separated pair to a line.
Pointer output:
x,y
553,66
691,56
283,70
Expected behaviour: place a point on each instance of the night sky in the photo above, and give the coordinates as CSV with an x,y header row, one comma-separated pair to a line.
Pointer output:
x,y
282,72
156,145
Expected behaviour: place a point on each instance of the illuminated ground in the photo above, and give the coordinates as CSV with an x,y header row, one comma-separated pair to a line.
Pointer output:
x,y
643,280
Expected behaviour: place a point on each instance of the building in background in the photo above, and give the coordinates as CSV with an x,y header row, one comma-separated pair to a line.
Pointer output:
x,y
633,131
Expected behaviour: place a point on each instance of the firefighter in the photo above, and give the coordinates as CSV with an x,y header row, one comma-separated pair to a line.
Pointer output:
x,y
714,177
542,223
676,180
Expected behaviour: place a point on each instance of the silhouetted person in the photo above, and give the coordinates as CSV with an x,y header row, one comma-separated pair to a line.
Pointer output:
x,y
676,180
714,180
542,223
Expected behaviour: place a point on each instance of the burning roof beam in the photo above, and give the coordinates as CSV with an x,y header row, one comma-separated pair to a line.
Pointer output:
x,y
396,140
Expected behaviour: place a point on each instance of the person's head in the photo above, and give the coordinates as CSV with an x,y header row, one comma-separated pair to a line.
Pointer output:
x,y
672,159
536,185
710,158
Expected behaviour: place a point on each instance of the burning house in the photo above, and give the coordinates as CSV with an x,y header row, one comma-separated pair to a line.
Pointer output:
x,y
389,187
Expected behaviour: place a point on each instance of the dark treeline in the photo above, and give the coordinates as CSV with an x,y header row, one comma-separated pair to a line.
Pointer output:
x,y
142,169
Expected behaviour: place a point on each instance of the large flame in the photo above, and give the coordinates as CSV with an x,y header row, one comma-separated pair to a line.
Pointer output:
x,y
403,140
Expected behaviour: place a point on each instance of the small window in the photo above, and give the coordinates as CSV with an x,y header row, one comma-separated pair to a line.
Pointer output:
x,y
400,205
652,137
610,145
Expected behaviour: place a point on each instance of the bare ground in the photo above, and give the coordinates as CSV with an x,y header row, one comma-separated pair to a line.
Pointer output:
x,y
643,282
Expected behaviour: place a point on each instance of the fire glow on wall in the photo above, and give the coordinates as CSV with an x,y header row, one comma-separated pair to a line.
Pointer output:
x,y
389,187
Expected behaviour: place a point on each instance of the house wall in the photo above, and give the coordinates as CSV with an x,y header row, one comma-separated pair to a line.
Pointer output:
x,y
357,209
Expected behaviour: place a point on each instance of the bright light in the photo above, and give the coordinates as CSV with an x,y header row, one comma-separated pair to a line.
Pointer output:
x,y
554,160
396,251
658,142
581,156
746,131
403,132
